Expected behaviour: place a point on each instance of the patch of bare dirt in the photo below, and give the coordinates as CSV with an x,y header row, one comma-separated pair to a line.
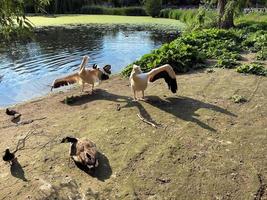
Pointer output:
x,y
206,146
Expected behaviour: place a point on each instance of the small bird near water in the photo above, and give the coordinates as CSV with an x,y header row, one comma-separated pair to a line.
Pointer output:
x,y
11,112
15,116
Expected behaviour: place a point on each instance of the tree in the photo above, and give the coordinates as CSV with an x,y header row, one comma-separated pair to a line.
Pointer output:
x,y
227,10
153,7
12,16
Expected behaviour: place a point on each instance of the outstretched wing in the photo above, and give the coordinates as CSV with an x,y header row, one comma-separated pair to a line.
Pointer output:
x,y
68,80
167,73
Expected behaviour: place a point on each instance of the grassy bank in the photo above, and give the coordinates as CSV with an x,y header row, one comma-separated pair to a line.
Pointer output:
x,y
207,146
61,20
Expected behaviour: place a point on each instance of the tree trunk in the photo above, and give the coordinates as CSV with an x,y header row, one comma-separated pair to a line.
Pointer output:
x,y
226,19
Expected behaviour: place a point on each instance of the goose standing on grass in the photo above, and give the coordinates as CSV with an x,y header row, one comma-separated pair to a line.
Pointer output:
x,y
89,76
139,80
83,152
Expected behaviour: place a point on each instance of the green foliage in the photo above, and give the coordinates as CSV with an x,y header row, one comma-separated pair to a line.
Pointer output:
x,y
193,17
181,56
253,68
262,54
238,99
187,16
215,42
13,21
189,51
153,7
226,63
257,42
128,11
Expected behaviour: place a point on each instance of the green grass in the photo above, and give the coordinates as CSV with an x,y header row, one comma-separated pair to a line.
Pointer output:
x,y
252,18
61,20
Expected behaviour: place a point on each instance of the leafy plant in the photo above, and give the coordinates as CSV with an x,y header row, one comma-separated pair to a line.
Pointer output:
x,y
238,99
192,48
226,63
262,54
13,21
253,68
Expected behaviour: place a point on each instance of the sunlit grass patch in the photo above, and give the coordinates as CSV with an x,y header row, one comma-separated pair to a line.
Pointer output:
x,y
60,20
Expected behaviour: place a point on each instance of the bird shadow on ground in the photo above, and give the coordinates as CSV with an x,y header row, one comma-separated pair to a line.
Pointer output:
x,y
17,171
100,94
185,108
102,172
180,107
16,119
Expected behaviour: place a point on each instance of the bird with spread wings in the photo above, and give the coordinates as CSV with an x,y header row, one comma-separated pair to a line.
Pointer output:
x,y
139,80
83,76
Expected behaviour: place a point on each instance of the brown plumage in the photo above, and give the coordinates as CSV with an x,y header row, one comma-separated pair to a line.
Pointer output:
x,y
139,80
89,76
83,152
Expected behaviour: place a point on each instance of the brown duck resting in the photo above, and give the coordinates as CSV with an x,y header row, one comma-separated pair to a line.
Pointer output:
x,y
83,152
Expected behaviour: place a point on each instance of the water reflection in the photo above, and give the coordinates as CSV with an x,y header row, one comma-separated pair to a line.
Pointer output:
x,y
26,69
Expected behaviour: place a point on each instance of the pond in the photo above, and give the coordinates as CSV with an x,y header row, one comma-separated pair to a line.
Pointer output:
x,y
28,68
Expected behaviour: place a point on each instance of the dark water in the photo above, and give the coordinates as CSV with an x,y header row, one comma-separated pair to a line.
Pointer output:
x,y
28,68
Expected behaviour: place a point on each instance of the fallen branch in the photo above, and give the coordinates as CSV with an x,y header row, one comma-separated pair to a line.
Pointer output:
x,y
261,190
30,121
21,142
146,121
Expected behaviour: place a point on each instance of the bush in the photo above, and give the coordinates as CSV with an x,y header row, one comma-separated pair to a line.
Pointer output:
x,y
153,7
129,11
189,51
182,57
238,99
253,68
226,63
196,17
262,54
92,10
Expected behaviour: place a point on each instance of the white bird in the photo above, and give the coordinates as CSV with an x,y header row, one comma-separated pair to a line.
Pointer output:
x,y
139,80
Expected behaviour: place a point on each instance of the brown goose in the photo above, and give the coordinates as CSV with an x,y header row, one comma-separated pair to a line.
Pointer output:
x,y
83,152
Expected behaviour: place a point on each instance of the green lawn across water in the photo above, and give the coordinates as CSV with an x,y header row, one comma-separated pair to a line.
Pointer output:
x,y
60,20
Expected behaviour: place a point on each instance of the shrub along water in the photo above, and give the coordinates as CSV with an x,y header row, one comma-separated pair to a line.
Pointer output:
x,y
153,7
252,68
192,17
191,49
